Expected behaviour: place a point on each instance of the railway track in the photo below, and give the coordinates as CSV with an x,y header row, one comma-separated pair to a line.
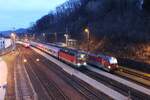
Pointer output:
x,y
23,87
40,90
133,93
135,76
53,92
127,91
136,73
88,91
114,85
10,90
120,87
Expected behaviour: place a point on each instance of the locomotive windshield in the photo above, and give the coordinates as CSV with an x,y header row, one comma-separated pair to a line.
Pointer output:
x,y
113,60
81,56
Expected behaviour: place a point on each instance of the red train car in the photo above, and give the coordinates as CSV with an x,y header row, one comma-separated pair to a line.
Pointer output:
x,y
74,57
107,63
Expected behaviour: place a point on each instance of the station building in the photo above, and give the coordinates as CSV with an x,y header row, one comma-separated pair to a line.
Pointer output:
x,y
72,43
2,43
5,42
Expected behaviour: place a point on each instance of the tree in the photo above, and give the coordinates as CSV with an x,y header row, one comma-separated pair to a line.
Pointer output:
x,y
146,5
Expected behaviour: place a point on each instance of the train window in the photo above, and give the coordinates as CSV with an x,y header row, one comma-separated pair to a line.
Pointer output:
x,y
53,51
63,50
72,53
50,50
66,50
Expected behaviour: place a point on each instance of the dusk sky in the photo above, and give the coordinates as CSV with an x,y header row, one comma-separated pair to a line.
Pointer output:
x,y
20,13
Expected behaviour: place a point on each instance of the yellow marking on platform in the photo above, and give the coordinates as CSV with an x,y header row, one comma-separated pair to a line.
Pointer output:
x,y
148,75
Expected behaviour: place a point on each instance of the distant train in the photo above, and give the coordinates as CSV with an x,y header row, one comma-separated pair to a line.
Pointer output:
x,y
26,44
78,58
73,57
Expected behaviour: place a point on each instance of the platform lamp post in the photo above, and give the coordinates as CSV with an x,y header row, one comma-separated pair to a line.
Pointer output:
x,y
13,37
43,34
44,37
88,37
66,36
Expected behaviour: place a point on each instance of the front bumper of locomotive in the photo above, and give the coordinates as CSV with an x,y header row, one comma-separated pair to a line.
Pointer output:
x,y
81,64
113,67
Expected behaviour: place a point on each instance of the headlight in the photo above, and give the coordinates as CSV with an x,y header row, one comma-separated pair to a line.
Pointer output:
x,y
84,63
109,67
37,60
25,60
78,64
82,55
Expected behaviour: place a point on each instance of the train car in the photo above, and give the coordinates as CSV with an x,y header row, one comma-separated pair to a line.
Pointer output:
x,y
47,48
74,57
54,51
107,63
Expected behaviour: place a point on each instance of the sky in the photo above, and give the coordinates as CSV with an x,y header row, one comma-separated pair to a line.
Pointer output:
x,y
21,13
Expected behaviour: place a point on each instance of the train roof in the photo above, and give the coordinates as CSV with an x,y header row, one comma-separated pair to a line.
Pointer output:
x,y
52,47
73,50
101,55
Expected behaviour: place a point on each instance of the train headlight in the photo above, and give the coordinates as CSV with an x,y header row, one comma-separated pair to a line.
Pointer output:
x,y
109,67
78,64
25,60
82,56
37,60
84,63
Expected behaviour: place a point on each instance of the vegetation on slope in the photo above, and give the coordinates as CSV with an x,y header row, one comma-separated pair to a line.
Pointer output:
x,y
118,27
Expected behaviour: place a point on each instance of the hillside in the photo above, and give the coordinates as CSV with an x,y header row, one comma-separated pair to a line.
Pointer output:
x,y
117,27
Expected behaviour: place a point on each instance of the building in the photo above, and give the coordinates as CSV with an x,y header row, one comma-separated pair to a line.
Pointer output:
x,y
2,43
72,43
5,42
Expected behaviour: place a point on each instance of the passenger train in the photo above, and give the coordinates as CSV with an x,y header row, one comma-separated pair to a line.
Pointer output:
x,y
78,58
74,57
26,44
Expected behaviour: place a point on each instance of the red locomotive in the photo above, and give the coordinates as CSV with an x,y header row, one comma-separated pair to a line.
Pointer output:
x,y
107,63
72,56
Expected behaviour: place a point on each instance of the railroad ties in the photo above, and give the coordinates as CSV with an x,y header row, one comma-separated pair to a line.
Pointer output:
x,y
107,84
23,86
104,89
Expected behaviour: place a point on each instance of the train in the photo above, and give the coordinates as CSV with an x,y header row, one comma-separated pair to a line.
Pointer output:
x,y
70,56
79,58
107,63
26,43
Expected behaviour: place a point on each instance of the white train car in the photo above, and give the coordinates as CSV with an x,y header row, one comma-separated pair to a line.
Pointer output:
x,y
47,48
